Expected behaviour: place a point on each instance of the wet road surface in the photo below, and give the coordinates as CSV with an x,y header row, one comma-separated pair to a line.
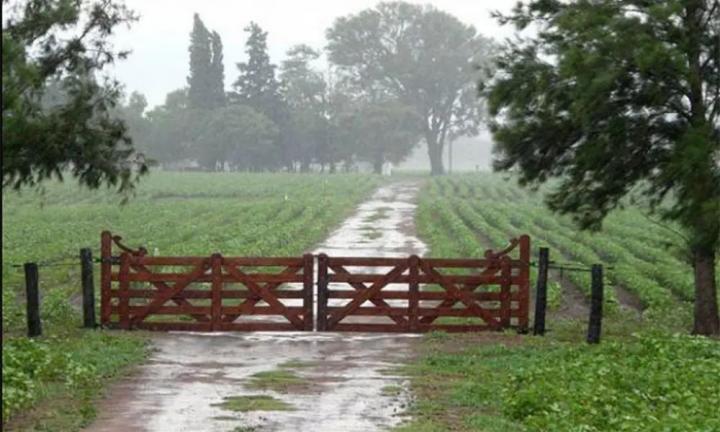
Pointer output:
x,y
346,375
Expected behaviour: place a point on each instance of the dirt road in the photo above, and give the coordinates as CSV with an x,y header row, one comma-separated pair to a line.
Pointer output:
x,y
306,381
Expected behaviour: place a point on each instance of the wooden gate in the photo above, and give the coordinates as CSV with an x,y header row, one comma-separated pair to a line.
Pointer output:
x,y
212,293
422,294
218,293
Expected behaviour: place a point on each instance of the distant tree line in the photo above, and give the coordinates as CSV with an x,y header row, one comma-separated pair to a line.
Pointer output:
x,y
398,74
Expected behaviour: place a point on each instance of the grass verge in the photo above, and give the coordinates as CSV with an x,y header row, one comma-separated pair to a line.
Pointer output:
x,y
52,383
649,380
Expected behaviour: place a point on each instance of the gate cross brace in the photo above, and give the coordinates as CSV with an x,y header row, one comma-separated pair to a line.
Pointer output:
x,y
264,293
174,291
365,295
250,302
361,287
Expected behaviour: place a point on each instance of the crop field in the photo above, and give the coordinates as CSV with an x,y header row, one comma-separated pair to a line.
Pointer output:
x,y
170,214
645,266
175,214
645,375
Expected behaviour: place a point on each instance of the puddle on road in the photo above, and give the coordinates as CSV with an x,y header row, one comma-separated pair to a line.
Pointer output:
x,y
389,215
189,376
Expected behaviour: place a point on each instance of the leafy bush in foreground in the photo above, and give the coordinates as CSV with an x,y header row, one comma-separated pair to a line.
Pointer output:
x,y
668,383
72,365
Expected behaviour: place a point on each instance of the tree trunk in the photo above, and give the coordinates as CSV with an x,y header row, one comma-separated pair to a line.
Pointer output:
x,y
435,153
377,166
707,321
701,182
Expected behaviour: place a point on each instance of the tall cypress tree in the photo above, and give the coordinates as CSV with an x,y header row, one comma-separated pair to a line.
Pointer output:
x,y
200,59
217,72
206,88
257,86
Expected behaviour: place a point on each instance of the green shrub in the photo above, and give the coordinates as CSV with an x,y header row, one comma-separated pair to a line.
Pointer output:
x,y
75,363
653,383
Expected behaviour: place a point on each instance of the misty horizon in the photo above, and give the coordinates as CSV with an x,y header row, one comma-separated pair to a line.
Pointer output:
x,y
158,60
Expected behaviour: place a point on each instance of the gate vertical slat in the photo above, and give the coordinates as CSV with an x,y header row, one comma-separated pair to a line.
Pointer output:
x,y
308,282
414,288
105,276
322,297
217,283
505,287
124,291
524,284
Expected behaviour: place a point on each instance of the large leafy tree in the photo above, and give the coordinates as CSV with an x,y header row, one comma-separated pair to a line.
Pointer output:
x,y
618,96
304,91
424,57
174,128
384,131
138,125
64,42
341,144
239,135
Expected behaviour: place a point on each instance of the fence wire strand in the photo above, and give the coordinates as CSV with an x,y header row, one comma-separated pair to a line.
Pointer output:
x,y
63,261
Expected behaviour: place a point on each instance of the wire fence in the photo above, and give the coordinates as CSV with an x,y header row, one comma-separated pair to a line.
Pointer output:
x,y
57,262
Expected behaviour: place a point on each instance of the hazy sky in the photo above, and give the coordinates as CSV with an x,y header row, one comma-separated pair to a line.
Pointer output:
x,y
159,41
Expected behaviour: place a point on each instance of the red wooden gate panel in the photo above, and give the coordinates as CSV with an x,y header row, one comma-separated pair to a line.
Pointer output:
x,y
423,294
213,293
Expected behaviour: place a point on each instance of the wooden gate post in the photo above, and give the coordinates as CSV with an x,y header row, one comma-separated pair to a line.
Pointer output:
x,y
308,282
124,291
88,288
524,284
216,262
414,292
32,300
322,295
596,304
541,292
105,276
506,284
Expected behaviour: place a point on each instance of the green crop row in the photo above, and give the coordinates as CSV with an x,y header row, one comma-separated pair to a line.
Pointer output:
x,y
641,256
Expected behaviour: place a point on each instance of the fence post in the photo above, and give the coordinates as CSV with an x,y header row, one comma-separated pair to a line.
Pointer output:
x,y
322,295
523,283
88,288
32,300
105,277
414,292
505,287
216,263
124,291
308,279
541,292
596,304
